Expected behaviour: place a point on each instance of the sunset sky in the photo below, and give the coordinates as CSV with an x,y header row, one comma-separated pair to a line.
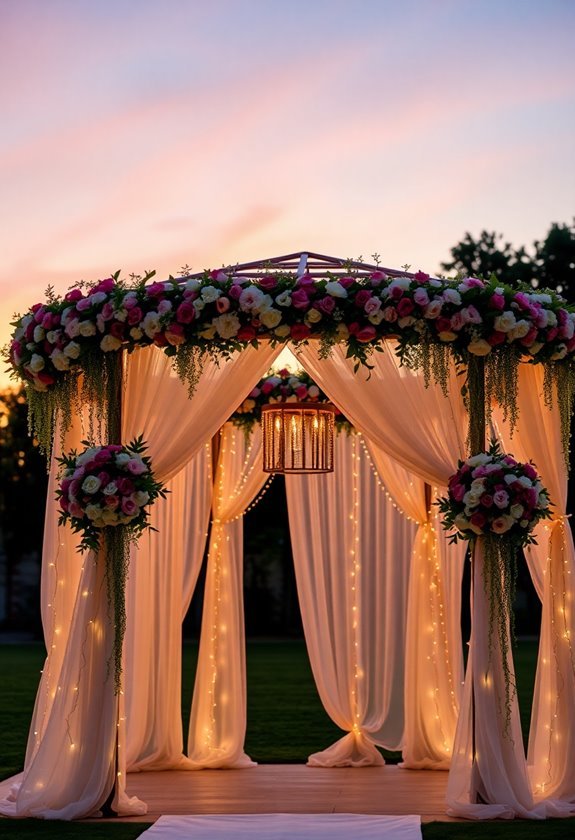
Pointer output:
x,y
139,134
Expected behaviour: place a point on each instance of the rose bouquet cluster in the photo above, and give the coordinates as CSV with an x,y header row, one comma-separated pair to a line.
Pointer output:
x,y
107,486
278,387
492,494
220,308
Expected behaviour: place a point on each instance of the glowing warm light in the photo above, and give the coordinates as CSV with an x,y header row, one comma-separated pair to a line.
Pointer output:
x,y
298,437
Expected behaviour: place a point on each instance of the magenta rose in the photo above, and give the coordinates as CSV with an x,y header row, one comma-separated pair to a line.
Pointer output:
x,y
235,291
325,304
107,285
486,500
136,467
135,315
362,297
300,299
457,491
421,277
299,332
129,507
478,519
267,283
366,334
185,313
301,392
405,307
73,295
125,486
497,301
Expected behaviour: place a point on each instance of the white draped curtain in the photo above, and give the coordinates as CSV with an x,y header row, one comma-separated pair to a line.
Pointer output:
x,y
543,785
78,719
423,432
351,550
218,716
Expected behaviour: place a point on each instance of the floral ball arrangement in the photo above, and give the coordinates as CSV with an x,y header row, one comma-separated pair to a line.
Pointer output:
x,y
491,494
278,387
107,486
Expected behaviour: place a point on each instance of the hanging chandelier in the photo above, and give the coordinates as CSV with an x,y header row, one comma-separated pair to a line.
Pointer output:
x,y
298,437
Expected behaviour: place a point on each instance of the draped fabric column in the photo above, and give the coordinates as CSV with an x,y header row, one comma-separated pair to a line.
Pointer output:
x,y
551,755
218,716
72,782
351,554
424,432
434,656
164,564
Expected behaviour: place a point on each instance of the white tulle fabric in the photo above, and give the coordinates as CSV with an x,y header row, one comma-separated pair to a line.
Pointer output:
x,y
351,551
218,716
416,435
551,754
71,761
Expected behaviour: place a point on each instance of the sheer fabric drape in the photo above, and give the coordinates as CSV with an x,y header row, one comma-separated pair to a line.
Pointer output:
x,y
218,716
551,754
423,431
351,552
60,781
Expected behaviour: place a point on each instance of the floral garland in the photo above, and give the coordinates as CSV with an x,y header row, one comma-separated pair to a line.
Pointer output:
x,y
494,497
432,319
278,387
105,494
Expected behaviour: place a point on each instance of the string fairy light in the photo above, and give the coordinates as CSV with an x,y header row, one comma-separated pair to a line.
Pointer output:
x,y
355,589
381,484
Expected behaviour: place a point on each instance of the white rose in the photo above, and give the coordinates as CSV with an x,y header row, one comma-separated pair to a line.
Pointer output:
x,y
59,360
505,322
110,489
93,511
198,304
91,484
313,391
375,317
471,499
479,347
37,363
433,309
313,316
335,289
451,296
151,324
520,330
477,485
250,298
141,498
283,299
39,333
407,321
72,328
209,294
136,333
478,460
72,350
270,318
97,297
109,342
516,511
86,328
122,314
164,306
227,325
551,318
192,285
535,347
53,335
122,459
27,320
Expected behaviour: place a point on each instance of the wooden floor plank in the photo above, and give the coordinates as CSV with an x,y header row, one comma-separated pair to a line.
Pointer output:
x,y
291,788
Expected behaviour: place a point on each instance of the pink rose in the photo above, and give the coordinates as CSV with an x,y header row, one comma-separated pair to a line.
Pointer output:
x,y
107,285
301,392
396,292
218,275
125,486
136,467
267,283
530,471
421,277
421,297
346,282
222,304
104,477
185,313
111,502
458,492
73,295
135,315
552,334
83,304
457,321
305,280
300,299
405,307
377,278
155,289
501,499
362,297
235,291
486,500
372,306
389,314
255,392
129,507
64,503
325,304
175,334
497,301
107,311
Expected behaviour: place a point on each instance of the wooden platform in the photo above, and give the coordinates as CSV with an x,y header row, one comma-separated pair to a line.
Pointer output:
x,y
292,788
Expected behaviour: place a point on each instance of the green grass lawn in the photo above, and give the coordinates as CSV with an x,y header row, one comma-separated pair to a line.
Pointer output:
x,y
286,722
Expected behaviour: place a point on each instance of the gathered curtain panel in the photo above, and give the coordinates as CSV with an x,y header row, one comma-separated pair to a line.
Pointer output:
x,y
78,721
415,434
218,715
351,550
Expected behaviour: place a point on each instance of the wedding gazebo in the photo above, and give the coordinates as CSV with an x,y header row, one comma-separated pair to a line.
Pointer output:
x,y
421,367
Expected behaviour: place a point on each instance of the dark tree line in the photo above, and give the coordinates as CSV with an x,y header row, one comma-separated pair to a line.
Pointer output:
x,y
550,263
